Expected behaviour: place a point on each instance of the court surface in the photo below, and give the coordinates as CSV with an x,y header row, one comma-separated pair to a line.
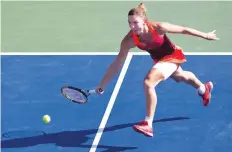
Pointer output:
x,y
31,88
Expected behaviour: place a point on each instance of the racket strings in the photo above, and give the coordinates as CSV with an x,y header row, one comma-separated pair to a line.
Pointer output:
x,y
74,95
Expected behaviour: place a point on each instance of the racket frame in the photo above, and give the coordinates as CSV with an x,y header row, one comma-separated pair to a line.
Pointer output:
x,y
84,92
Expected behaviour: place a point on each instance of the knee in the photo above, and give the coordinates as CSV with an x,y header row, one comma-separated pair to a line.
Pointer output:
x,y
153,78
149,82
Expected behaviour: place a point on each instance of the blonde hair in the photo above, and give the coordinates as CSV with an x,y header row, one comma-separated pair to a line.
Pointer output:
x,y
142,7
139,10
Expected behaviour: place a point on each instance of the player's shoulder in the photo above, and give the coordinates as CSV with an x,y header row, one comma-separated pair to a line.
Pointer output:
x,y
128,40
128,36
155,24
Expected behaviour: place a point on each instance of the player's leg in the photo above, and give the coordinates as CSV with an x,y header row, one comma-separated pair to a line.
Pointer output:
x,y
188,77
204,90
153,78
158,73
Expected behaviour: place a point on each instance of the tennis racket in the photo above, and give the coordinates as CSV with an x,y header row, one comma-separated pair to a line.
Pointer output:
x,y
77,95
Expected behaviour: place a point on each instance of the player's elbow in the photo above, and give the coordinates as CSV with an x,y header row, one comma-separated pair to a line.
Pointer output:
x,y
115,66
185,30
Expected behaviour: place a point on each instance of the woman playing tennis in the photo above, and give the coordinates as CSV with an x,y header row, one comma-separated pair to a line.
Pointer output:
x,y
151,37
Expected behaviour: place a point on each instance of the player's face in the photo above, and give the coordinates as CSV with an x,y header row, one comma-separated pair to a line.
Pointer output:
x,y
136,23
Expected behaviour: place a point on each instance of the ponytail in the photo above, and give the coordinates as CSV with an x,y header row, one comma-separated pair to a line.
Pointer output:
x,y
139,10
142,7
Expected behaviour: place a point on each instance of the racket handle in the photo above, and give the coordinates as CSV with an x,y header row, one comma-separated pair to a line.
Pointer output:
x,y
92,91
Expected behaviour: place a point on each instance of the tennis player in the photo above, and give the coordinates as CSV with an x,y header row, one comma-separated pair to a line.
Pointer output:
x,y
151,36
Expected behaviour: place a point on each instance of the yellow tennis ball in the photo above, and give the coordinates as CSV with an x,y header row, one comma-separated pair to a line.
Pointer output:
x,y
46,119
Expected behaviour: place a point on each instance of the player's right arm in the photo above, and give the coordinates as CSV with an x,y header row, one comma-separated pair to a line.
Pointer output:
x,y
115,66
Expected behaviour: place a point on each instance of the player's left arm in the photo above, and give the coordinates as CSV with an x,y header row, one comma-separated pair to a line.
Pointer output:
x,y
172,28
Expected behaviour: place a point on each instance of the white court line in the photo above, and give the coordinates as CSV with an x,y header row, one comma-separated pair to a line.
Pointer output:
x,y
111,103
105,53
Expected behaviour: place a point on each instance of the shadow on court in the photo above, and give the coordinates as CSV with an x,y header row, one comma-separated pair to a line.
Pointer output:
x,y
74,138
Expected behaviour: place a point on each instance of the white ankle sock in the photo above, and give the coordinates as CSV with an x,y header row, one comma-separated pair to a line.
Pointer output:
x,y
149,120
201,89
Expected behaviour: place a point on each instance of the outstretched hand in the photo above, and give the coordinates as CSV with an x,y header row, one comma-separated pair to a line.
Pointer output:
x,y
211,36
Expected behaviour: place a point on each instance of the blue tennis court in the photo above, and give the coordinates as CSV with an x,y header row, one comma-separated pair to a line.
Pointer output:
x,y
31,88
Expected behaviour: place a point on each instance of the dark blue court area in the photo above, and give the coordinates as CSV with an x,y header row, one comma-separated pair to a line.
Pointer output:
x,y
31,88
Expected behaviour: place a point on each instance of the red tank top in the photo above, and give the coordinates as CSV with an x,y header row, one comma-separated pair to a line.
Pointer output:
x,y
159,47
